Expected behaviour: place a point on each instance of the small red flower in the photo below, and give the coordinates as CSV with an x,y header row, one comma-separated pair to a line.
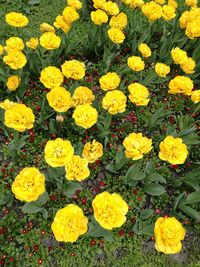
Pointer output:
x,y
102,183
92,242
40,261
53,198
121,232
84,200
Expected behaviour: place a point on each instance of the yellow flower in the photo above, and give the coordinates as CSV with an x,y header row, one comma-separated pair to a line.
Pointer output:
x,y
144,50
74,3
138,94
119,21
162,69
73,69
13,82
69,223
98,3
15,60
135,63
60,23
188,66
136,3
179,56
172,3
32,43
173,150
193,29
82,95
195,96
99,17
189,16
70,14
19,117
109,210
168,12
14,43
169,233
59,99
184,19
116,35
16,19
7,104
191,3
77,169
111,8
46,27
181,84
136,146
92,151
29,184
85,116
1,49
160,2
58,152
152,10
114,101
51,77
50,40
109,81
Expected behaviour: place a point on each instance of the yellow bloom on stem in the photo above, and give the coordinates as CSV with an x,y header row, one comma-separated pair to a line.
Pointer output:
x,y
69,223
15,60
111,8
136,146
162,69
169,233
172,3
32,43
58,152
59,99
92,151
173,150
82,95
1,49
144,49
190,16
119,21
75,4
191,3
49,40
19,117
14,43
51,77
135,63
99,17
115,102
60,23
46,27
188,66
181,85
98,3
116,35
195,96
193,29
109,81
16,19
13,82
73,69
77,169
160,2
138,94
135,3
85,116
178,55
152,10
109,210
70,15
168,12
29,184
7,104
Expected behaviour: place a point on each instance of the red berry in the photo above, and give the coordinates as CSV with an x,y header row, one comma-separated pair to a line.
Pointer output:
x,y
11,259
40,261
3,170
43,232
139,198
166,216
2,262
158,211
35,247
174,167
84,200
53,197
121,232
102,183
135,191
92,243
38,108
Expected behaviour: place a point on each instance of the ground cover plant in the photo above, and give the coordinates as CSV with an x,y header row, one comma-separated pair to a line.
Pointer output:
x,y
99,132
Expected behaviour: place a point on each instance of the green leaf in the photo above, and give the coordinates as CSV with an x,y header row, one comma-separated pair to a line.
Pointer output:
x,y
120,155
71,188
95,230
150,167
156,177
31,207
157,118
154,189
193,197
145,214
190,211
42,200
193,179
178,200
134,175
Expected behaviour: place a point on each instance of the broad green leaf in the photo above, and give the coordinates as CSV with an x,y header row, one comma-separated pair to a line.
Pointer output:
x,y
156,177
134,175
190,211
193,197
95,230
150,167
146,214
154,189
42,200
178,200
31,207
71,188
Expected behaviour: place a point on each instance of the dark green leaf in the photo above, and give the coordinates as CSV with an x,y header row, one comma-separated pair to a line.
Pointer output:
x,y
193,197
145,214
154,189
95,230
71,188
